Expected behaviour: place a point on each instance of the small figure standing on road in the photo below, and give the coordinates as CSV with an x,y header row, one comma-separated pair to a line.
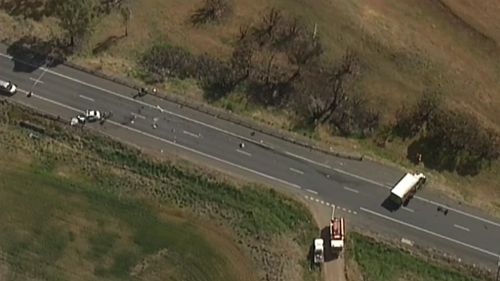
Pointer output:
x,y
155,120
242,145
154,91
29,94
132,120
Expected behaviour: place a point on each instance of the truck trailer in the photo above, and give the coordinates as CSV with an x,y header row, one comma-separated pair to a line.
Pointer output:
x,y
337,233
406,188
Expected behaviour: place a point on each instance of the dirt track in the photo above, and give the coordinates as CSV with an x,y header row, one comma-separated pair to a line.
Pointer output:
x,y
333,268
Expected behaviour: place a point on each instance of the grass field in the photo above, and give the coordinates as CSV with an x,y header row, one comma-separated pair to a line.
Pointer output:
x,y
76,206
406,47
369,260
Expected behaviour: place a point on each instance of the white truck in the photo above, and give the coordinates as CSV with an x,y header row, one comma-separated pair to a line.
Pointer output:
x,y
406,188
319,251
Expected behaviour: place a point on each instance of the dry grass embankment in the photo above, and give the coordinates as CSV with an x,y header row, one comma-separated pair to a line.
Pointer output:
x,y
406,47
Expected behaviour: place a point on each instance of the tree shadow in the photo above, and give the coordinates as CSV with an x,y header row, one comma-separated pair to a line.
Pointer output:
x,y
106,44
32,9
30,53
438,157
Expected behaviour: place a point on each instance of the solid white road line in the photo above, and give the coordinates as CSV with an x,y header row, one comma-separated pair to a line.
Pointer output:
x,y
177,145
136,101
243,152
430,232
87,98
307,160
191,134
238,136
358,177
138,115
351,189
458,211
408,209
312,191
296,171
461,227
36,80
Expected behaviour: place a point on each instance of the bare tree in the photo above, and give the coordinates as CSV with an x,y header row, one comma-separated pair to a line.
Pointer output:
x,y
336,94
211,11
125,12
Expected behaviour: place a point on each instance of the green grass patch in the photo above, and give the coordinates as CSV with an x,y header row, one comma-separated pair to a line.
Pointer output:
x,y
380,262
78,203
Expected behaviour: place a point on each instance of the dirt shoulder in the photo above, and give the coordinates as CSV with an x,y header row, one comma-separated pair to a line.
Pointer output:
x,y
333,268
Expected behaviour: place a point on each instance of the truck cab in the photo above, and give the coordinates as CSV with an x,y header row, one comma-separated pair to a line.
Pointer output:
x,y
319,251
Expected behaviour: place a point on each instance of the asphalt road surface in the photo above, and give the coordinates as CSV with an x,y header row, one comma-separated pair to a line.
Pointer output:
x,y
357,188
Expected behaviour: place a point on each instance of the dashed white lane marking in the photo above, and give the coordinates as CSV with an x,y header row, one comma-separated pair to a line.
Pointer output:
x,y
176,144
461,227
430,232
311,191
296,171
190,134
244,152
330,204
408,209
37,81
136,115
351,189
87,98
45,70
308,160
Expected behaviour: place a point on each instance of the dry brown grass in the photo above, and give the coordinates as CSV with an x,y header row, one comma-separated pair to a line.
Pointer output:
x,y
405,46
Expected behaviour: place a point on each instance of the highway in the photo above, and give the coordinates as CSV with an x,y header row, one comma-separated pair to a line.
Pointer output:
x,y
357,188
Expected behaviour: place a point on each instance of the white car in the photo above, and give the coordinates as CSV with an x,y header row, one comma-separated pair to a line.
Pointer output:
x,y
79,119
93,115
8,87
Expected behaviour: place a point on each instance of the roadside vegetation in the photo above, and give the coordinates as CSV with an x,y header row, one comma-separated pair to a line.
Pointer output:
x,y
367,259
77,205
420,90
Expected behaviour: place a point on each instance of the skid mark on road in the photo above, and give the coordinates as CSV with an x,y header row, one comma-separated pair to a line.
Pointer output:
x,y
330,204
